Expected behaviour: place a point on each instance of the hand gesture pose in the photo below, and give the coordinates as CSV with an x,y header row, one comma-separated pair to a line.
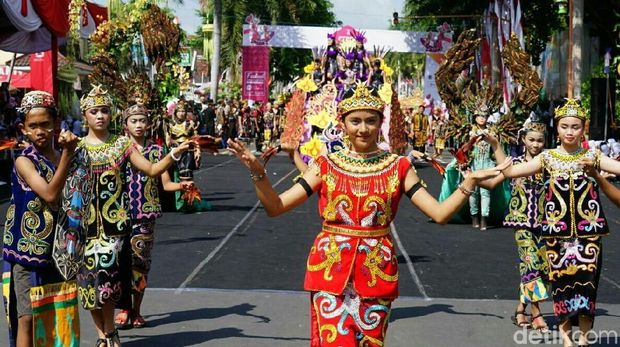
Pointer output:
x,y
68,140
245,156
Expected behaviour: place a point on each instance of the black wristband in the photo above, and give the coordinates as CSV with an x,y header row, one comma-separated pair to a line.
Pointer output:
x,y
305,186
419,184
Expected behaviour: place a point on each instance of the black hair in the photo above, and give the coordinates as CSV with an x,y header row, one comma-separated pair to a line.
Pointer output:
x,y
21,115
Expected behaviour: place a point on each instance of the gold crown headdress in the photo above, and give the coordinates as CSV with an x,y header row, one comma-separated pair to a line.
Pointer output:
x,y
482,101
571,109
362,99
37,98
95,98
535,126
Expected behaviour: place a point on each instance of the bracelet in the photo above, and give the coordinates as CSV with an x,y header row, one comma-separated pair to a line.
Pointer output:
x,y
465,190
258,177
172,155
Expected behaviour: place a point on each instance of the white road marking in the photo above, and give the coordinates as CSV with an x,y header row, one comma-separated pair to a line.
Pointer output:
x,y
414,275
232,232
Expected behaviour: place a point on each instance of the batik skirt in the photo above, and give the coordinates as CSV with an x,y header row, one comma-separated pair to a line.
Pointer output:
x,y
105,276
348,319
574,270
533,266
142,239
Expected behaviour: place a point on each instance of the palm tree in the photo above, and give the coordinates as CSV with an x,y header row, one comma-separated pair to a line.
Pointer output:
x,y
217,45
232,15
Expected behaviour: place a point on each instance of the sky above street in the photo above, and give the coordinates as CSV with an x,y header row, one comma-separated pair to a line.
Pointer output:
x,y
362,14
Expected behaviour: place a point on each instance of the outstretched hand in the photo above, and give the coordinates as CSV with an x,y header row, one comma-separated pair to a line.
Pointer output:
x,y
185,146
417,154
490,138
482,175
590,169
244,155
185,185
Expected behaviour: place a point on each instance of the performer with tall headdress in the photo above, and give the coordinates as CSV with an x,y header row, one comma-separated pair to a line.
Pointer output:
x,y
182,129
330,59
419,129
352,270
105,276
574,222
470,103
361,63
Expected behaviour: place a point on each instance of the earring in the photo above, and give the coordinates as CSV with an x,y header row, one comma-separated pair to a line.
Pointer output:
x,y
346,142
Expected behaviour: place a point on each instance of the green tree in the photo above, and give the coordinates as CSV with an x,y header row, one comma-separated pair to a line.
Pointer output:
x,y
540,19
285,63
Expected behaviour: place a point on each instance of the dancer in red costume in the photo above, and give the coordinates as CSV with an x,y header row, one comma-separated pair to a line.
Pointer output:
x,y
352,270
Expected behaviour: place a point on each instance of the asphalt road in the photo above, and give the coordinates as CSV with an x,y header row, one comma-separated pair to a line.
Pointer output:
x,y
233,277
236,246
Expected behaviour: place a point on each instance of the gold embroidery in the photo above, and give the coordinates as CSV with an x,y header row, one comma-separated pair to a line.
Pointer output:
x,y
332,257
553,215
518,204
362,166
33,240
332,332
383,212
118,215
330,213
356,232
373,260
151,196
8,225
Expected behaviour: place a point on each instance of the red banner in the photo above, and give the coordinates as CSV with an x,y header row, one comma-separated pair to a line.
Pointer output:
x,y
19,79
41,71
256,73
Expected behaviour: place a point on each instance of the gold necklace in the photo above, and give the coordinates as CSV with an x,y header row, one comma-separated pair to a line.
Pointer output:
x,y
364,155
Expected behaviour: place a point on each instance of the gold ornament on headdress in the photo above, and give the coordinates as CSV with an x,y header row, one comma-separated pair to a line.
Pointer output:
x,y
95,98
361,99
482,101
535,126
571,109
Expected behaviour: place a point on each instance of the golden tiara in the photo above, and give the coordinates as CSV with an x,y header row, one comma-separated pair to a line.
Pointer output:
x,y
95,98
362,99
571,109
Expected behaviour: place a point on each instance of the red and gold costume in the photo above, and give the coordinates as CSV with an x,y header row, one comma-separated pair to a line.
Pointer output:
x,y
352,270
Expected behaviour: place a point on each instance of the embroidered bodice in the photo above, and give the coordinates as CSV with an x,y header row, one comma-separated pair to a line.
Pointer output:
x,y
525,205
144,203
109,208
360,192
358,199
572,205
29,227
